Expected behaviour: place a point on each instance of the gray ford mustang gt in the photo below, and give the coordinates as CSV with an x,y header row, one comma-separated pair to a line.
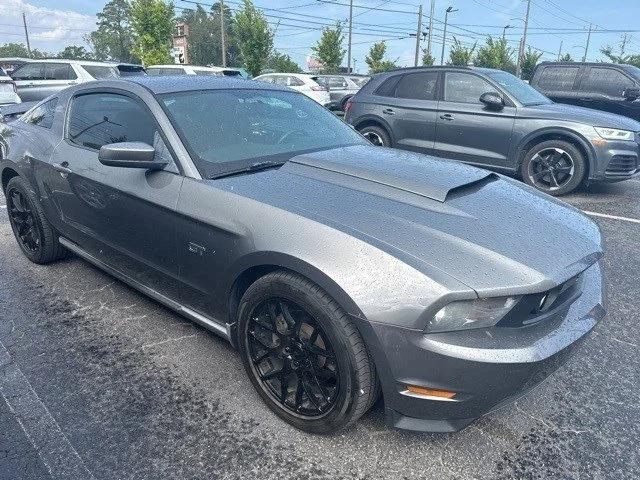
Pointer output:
x,y
341,271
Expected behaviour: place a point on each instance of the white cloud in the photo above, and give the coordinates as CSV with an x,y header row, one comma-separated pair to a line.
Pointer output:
x,y
49,29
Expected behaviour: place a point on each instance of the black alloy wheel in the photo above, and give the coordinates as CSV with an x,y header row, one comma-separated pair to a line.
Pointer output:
x,y
292,358
551,169
23,221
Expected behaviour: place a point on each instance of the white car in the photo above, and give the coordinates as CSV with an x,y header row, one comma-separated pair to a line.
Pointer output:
x,y
178,69
304,83
8,91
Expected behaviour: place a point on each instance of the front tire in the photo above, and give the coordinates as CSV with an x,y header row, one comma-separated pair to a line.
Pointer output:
x,y
555,167
378,136
304,355
35,235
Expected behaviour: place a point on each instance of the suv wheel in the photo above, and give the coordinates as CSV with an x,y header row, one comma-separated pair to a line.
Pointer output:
x,y
35,235
555,167
378,136
304,355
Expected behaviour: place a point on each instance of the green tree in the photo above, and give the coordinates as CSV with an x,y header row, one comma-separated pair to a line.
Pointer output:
x,y
74,52
376,61
255,38
113,39
20,50
529,61
607,51
427,59
496,54
459,55
280,62
152,23
234,58
203,47
329,49
566,57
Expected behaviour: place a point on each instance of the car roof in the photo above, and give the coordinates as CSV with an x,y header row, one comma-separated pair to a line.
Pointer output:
x,y
184,83
75,62
469,68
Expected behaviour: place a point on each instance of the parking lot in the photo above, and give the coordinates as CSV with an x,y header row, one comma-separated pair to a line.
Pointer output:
x,y
98,381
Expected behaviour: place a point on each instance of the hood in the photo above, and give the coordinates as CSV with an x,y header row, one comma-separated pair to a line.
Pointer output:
x,y
571,113
489,232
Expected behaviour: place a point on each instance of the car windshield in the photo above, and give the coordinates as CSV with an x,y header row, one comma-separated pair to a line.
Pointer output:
x,y
226,130
519,89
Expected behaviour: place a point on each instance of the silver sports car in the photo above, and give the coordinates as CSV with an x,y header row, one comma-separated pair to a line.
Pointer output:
x,y
342,272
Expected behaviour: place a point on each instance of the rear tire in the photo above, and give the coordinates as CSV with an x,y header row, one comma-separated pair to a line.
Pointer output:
x,y
36,237
378,136
286,323
555,167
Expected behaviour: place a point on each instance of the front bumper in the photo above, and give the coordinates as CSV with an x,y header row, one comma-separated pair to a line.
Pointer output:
x,y
616,160
486,367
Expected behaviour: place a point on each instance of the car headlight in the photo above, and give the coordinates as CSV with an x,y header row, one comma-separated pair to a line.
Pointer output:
x,y
467,314
614,133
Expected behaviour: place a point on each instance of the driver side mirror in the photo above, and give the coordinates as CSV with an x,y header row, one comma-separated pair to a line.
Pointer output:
x,y
631,94
130,155
492,100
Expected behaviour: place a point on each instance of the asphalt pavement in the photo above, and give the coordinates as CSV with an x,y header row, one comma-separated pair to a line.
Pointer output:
x,y
99,382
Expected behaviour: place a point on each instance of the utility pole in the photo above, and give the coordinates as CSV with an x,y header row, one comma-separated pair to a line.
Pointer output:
x,y
26,33
350,29
623,44
444,33
418,35
433,6
524,41
223,40
560,51
586,47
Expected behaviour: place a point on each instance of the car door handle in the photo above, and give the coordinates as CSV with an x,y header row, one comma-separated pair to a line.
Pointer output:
x,y
63,168
389,111
447,116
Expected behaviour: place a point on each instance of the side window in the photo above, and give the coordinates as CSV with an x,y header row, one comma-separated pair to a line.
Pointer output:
x,y
28,71
59,71
99,72
560,78
97,119
42,116
607,81
294,82
465,88
388,87
418,86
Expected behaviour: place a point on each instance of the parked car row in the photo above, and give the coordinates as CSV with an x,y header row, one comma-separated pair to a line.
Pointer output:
x,y
341,271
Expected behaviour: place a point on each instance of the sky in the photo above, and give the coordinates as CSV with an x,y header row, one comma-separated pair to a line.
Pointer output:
x,y
53,24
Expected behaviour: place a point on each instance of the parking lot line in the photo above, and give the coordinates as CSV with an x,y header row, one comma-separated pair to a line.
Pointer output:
x,y
612,217
61,460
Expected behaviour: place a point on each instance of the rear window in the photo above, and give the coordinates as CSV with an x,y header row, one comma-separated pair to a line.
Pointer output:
x,y
606,81
388,87
100,72
556,78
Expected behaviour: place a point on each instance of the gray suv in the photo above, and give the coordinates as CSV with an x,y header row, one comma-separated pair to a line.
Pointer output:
x,y
493,119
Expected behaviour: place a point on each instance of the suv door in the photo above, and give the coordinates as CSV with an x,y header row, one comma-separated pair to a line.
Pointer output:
x,y
602,88
38,80
466,129
411,109
122,216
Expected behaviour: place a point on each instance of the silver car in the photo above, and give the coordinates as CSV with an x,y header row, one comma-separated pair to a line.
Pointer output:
x,y
8,92
340,271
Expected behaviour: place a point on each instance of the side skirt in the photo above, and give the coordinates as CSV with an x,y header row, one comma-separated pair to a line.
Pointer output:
x,y
220,328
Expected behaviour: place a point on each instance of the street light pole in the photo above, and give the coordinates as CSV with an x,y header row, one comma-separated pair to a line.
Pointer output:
x,y
444,33
350,29
504,31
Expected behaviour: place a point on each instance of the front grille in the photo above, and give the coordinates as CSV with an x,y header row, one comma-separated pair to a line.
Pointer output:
x,y
622,165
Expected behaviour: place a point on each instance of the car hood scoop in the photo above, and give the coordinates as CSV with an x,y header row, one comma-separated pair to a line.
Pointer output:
x,y
399,170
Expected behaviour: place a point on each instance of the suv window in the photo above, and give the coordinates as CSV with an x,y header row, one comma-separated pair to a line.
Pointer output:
x,y
465,88
558,78
418,86
42,115
97,119
59,71
28,71
99,72
294,82
388,87
607,81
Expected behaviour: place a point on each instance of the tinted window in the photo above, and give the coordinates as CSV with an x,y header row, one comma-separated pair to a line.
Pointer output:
x,y
97,119
43,114
558,78
58,71
28,71
225,129
418,86
98,71
607,81
465,88
388,87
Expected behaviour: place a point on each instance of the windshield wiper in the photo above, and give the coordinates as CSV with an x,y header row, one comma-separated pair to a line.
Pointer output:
x,y
254,167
